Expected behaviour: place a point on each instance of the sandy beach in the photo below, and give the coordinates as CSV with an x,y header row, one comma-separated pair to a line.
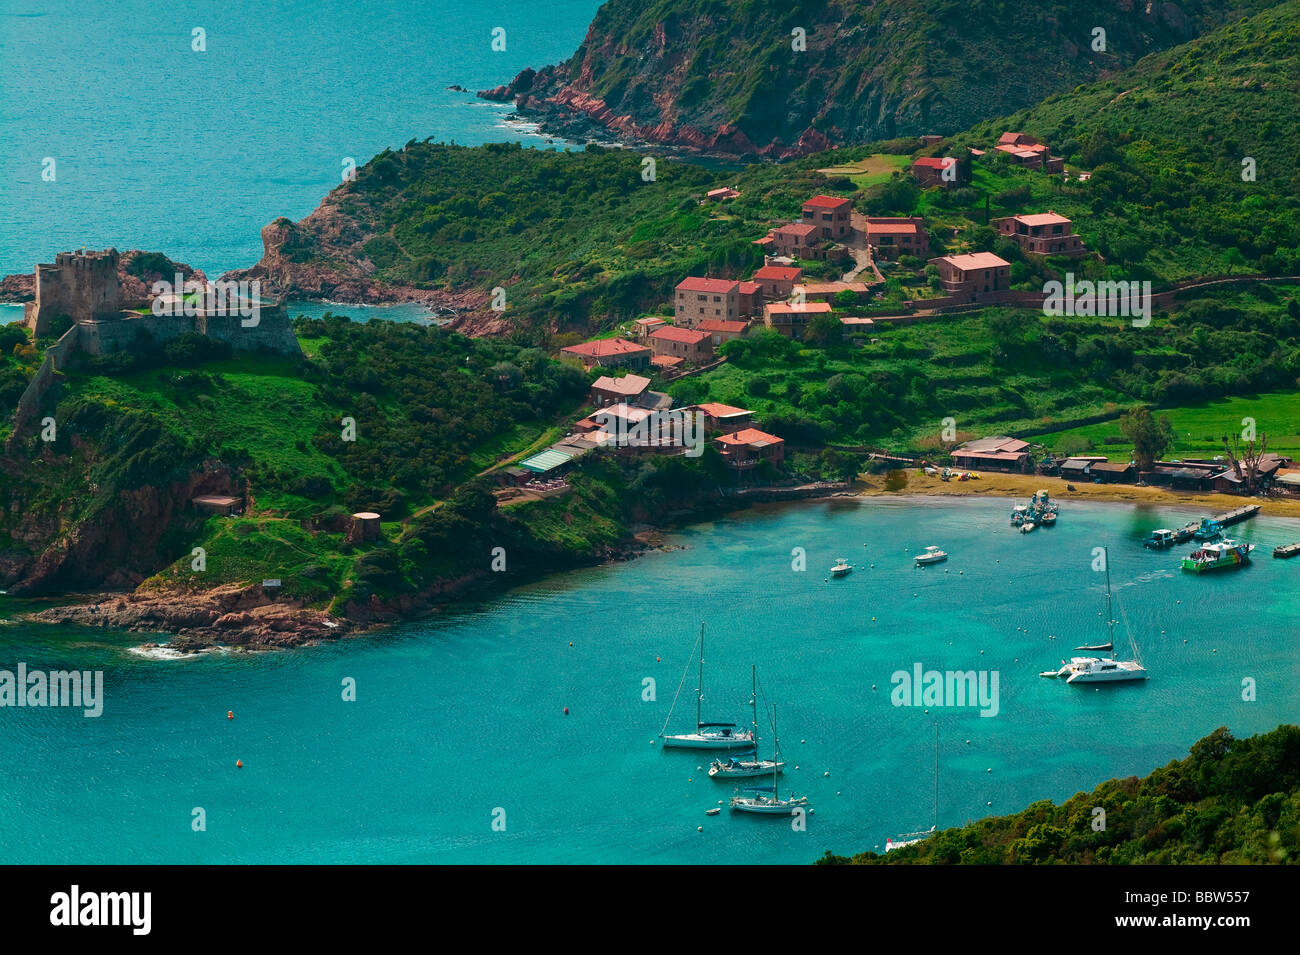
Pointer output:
x,y
1025,485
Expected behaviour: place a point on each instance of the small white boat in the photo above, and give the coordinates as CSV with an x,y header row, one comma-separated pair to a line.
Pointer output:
x,y
1027,526
714,811
931,555
908,839
841,568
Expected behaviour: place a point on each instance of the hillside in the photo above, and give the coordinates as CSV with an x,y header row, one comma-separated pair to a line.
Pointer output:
x,y
1230,802
722,76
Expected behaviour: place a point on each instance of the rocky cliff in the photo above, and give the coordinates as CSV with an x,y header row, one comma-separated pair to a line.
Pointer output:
x,y
780,79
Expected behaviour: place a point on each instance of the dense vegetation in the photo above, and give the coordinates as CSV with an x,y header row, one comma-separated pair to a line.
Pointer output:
x,y
1230,802
869,71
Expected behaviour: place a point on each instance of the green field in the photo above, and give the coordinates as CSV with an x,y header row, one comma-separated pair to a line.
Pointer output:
x,y
871,170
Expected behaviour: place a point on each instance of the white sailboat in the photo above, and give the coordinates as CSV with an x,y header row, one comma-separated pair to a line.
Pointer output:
x,y
912,838
1103,669
745,765
767,800
706,735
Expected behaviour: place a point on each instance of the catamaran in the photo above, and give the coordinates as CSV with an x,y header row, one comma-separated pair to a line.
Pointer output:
x,y
706,735
767,799
912,838
744,765
1102,669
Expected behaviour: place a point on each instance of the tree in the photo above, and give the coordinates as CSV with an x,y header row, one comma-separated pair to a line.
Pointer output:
x,y
1151,437
824,329
1010,328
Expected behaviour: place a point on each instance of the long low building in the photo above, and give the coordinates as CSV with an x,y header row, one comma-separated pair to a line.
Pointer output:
x,y
998,453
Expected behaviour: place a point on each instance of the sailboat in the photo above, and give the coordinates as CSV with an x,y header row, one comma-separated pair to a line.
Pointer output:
x,y
706,735
1102,669
912,838
767,799
744,765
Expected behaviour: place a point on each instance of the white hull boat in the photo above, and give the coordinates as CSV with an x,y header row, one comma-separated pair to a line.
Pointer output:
x,y
710,740
932,555
706,735
1102,669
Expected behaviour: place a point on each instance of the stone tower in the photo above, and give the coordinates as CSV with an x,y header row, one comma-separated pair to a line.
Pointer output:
x,y
80,285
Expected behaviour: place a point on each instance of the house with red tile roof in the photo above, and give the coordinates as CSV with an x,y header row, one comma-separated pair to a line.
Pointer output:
x,y
937,171
892,236
668,366
777,281
692,345
726,192
831,216
725,418
968,276
750,298
1027,151
1044,233
791,319
720,331
701,298
748,448
800,240
609,353
607,390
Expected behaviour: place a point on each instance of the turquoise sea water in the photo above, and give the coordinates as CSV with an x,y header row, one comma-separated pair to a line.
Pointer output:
x,y
462,715
159,147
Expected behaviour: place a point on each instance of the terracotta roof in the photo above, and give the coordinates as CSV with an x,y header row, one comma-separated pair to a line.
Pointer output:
x,y
996,443
826,202
934,162
779,273
749,288
830,288
674,334
899,226
627,385
796,229
647,322
667,361
715,410
713,286
976,260
604,347
721,325
803,308
1042,218
750,437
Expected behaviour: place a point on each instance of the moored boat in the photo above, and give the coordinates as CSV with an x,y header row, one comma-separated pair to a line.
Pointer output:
x,y
842,568
706,735
932,555
1102,669
1225,554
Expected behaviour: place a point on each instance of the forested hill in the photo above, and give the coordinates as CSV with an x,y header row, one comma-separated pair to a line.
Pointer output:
x,y
726,75
1230,802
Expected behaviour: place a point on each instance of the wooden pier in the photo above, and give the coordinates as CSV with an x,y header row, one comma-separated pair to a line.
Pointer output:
x,y
1245,512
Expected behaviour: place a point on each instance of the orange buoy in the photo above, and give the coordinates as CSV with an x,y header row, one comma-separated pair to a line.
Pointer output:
x,y
230,714
239,764
566,711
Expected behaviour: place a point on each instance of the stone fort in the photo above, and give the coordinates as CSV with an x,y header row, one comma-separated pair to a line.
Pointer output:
x,y
84,288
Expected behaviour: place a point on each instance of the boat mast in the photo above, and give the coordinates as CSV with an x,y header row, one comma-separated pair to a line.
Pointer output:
x,y
936,775
753,673
776,791
699,685
1110,616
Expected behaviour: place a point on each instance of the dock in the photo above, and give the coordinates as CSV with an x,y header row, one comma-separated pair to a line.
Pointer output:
x,y
1286,550
1245,512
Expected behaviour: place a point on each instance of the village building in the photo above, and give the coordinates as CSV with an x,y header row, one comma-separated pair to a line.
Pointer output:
x,y
930,171
998,453
777,281
892,236
726,192
701,298
1181,475
1027,151
219,504
826,291
799,241
1046,233
750,298
691,345
831,215
748,448
668,366
720,331
1078,468
725,418
791,320
644,326
609,353
606,390
968,276
930,139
